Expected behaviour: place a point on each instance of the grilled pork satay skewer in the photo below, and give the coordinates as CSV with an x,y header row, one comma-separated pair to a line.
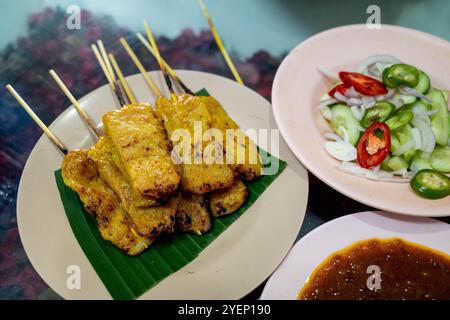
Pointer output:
x,y
80,174
219,42
221,201
139,145
84,116
106,167
244,147
199,176
224,201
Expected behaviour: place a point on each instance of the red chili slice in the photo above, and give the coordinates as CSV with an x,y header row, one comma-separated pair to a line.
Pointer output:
x,y
363,84
341,88
374,145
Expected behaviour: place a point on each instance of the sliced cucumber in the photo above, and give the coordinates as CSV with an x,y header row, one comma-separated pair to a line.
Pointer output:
x,y
420,106
395,144
397,163
439,121
404,134
445,93
423,86
407,99
342,116
440,159
418,163
384,165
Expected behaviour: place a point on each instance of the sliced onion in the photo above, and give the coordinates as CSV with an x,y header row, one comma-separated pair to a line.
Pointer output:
x,y
398,102
358,112
331,76
355,169
329,101
382,59
344,132
326,112
428,138
404,147
341,150
324,125
339,96
425,113
332,136
386,96
354,102
414,92
417,137
352,93
368,102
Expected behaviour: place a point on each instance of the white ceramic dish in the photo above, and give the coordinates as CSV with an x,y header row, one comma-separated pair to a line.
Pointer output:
x,y
233,265
287,281
298,86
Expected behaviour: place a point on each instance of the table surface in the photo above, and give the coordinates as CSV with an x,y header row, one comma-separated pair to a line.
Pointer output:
x,y
37,39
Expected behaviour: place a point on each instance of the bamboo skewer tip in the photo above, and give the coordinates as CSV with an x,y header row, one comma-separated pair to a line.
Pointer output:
x,y
37,120
83,114
219,43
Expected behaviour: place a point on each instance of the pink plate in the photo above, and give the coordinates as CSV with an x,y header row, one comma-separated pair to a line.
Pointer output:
x,y
298,86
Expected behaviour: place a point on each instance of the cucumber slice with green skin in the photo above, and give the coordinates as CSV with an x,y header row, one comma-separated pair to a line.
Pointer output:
x,y
342,116
439,121
440,159
384,165
445,93
397,163
404,134
420,106
418,163
423,86
395,144
407,99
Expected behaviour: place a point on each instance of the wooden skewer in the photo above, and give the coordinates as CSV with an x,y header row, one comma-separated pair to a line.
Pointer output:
x,y
141,68
81,112
220,43
103,65
36,119
109,75
122,79
168,68
106,59
159,60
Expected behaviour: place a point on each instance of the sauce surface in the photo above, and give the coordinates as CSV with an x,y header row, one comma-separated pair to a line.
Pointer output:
x,y
408,271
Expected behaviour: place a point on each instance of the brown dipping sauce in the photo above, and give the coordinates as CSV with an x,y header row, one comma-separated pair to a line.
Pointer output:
x,y
408,271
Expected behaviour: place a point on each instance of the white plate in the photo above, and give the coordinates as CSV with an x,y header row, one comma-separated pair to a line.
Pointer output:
x,y
298,86
232,266
287,281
